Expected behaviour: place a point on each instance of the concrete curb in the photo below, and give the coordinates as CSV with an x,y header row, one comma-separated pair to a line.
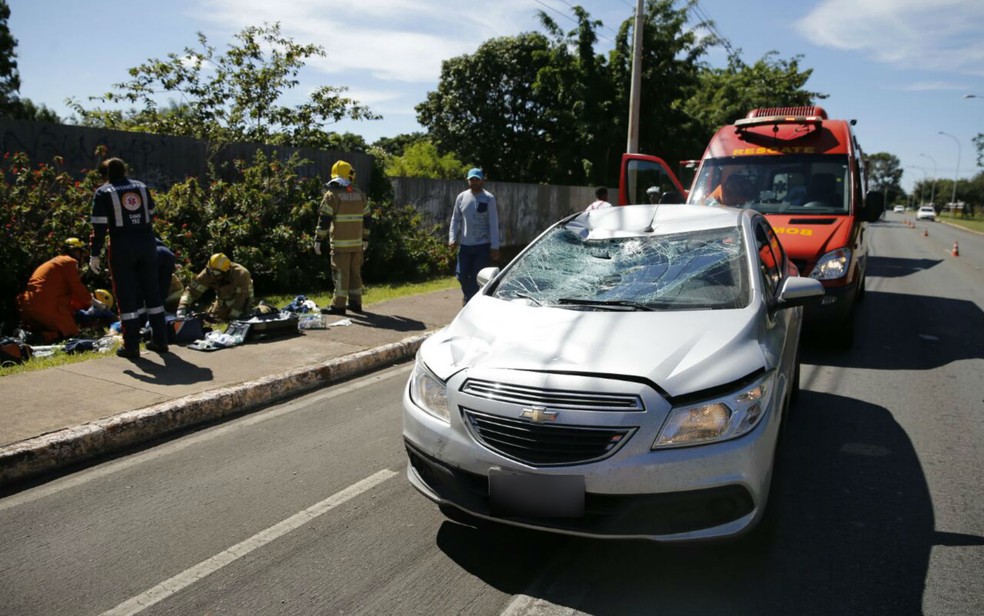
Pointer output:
x,y
49,452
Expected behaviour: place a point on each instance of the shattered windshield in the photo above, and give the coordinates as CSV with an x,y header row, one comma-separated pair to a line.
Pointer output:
x,y
695,270
787,184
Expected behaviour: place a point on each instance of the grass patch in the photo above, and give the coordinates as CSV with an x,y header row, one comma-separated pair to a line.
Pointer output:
x,y
974,224
54,361
374,294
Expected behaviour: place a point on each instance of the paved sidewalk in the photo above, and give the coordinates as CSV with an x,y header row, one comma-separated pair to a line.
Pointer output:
x,y
54,418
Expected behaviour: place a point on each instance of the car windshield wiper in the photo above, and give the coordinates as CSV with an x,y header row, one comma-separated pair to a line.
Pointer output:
x,y
526,297
621,303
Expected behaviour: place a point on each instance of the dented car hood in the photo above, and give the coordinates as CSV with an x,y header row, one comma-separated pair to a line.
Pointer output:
x,y
679,351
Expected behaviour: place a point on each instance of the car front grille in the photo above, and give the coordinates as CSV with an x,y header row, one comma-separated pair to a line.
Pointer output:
x,y
545,444
552,398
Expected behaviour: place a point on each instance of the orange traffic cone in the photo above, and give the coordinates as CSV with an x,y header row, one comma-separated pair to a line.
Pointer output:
x,y
925,232
956,250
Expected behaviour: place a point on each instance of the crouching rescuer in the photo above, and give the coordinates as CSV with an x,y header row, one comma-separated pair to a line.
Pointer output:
x,y
232,284
344,220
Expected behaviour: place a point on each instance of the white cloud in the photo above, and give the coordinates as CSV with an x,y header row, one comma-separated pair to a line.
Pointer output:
x,y
402,40
933,86
939,35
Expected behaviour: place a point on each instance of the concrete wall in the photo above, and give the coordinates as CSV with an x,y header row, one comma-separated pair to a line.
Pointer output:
x,y
525,210
158,160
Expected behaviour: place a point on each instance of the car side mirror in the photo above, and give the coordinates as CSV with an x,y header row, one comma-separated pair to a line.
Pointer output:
x,y
486,274
874,205
800,291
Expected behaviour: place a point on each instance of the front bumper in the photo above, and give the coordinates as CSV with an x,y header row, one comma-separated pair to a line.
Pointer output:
x,y
702,492
834,308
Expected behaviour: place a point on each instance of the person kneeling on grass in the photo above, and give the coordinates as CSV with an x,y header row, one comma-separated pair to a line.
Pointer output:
x,y
232,284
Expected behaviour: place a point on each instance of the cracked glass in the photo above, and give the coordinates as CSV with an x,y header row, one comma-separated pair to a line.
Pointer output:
x,y
698,270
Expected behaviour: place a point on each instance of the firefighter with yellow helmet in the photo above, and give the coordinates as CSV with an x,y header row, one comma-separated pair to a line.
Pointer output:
x,y
344,220
232,284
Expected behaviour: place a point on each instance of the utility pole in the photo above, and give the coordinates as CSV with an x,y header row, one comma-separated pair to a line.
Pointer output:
x,y
634,94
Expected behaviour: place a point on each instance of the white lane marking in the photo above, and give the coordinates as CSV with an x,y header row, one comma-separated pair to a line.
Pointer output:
x,y
524,605
186,578
555,581
275,410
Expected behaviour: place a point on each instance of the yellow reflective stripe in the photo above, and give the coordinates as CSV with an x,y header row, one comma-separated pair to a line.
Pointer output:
x,y
348,218
346,243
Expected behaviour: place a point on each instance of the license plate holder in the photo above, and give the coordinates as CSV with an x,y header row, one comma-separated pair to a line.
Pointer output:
x,y
525,495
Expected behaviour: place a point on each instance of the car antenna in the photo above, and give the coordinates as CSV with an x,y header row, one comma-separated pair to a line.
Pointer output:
x,y
652,220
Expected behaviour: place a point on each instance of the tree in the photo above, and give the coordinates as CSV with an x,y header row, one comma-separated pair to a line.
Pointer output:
x,y
728,94
885,174
228,97
395,146
421,160
487,110
979,142
9,77
11,105
580,122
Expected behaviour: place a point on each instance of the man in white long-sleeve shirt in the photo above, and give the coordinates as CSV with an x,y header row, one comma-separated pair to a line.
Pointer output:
x,y
474,232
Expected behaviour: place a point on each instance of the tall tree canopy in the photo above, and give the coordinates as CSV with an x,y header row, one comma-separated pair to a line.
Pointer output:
x,y
11,104
728,94
535,108
885,174
231,96
9,77
488,110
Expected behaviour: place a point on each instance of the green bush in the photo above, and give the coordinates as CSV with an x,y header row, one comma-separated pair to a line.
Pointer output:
x,y
261,213
40,206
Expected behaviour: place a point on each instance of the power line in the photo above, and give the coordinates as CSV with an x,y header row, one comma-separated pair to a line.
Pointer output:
x,y
575,21
709,24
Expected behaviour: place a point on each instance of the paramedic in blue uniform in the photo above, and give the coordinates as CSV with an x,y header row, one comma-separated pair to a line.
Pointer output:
x,y
124,209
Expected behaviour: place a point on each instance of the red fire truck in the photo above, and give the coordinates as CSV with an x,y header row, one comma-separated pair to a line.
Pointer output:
x,y
806,173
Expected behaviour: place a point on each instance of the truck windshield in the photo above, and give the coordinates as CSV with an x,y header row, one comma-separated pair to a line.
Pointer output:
x,y
786,184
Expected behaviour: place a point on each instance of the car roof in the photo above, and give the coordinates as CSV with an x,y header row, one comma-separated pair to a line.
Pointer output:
x,y
657,219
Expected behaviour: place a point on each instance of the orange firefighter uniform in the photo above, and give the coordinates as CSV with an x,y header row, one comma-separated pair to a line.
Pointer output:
x,y
53,295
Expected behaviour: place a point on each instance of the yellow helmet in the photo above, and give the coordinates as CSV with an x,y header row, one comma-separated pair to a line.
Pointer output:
x,y
104,297
343,170
73,243
219,262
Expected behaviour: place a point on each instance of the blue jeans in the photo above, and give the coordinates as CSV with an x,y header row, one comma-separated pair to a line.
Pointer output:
x,y
471,259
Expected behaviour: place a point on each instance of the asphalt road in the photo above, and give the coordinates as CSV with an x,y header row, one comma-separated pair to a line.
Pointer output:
x,y
303,508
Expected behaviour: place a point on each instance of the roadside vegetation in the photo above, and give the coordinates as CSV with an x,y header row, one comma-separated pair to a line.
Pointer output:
x,y
554,116
373,295
971,223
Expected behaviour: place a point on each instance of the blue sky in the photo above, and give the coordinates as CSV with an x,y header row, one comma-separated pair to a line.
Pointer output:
x,y
900,67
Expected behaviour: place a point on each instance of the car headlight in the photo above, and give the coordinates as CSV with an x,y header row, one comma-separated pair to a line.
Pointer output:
x,y
832,265
717,420
429,392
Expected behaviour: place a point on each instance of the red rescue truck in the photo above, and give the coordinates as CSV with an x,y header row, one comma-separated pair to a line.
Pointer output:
x,y
806,173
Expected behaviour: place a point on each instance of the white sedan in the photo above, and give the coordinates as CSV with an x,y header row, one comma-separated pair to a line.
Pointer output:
x,y
926,212
625,376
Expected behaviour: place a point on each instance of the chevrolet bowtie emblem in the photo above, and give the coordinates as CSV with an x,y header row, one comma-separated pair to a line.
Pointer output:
x,y
538,414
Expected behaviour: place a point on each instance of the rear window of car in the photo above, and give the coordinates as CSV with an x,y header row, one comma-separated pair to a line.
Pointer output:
x,y
704,269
